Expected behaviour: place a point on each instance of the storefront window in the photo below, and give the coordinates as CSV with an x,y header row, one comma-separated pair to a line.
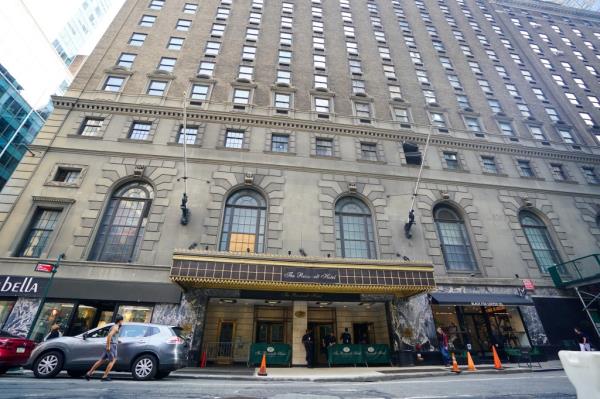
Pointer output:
x,y
135,314
52,312
83,320
5,309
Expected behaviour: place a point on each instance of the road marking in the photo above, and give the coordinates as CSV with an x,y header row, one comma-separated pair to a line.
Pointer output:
x,y
427,381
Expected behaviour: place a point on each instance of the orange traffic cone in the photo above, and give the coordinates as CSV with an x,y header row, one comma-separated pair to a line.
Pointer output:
x,y
455,368
262,371
470,364
497,364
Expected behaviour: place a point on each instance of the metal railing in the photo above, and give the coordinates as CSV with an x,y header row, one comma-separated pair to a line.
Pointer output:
x,y
577,271
226,351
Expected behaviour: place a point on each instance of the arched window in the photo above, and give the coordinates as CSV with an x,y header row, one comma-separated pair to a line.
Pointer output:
x,y
539,239
244,222
354,229
122,228
456,245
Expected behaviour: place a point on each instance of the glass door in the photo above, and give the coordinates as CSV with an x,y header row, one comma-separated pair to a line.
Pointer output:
x,y
269,332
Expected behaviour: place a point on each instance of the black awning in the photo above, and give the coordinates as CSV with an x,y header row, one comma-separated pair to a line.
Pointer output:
x,y
115,290
447,298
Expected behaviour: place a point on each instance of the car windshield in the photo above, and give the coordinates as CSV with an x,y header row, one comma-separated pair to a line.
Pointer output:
x,y
6,334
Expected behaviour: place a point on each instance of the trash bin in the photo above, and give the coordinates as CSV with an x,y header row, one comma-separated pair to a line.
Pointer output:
x,y
583,369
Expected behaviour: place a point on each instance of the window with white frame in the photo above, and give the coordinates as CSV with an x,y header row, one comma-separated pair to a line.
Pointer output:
x,y
473,124
320,81
362,110
137,39
241,96
537,133
206,68
438,119
590,174
506,128
245,72
183,25
114,83
234,138
284,76
189,135
558,172
489,164
190,8
319,62
212,49
587,119
389,72
280,142
251,34
147,20
358,86
217,30
572,98
166,64
282,100
355,67
199,91
524,110
126,60
175,43
157,88
368,151
284,57
324,147
430,97
401,115
525,168
322,105
248,53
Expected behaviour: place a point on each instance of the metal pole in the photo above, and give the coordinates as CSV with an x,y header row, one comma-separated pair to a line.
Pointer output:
x,y
45,295
185,143
412,205
587,310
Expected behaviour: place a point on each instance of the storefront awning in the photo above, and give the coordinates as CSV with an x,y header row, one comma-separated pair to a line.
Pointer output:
x,y
206,269
447,298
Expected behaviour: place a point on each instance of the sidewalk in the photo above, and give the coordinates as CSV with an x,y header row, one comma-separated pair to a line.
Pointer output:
x,y
349,374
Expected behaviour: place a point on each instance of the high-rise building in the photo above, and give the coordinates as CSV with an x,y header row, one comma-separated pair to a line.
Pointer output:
x,y
589,5
311,129
19,123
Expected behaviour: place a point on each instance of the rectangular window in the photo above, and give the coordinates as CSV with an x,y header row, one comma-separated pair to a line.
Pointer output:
x,y
363,110
463,101
137,39
587,119
318,43
355,67
280,142
190,8
42,225
319,62
590,174
324,147
557,172
552,114
451,159
284,77
183,25
287,22
126,60
473,124
91,127
189,135
241,96
358,86
320,81
157,4
157,88
212,49
454,82
199,92
572,98
222,14
525,168
140,130
506,128
322,105
175,43
114,83
368,151
284,57
251,34
282,100
206,68
246,72
524,109
401,115
248,53
67,175
256,18
217,30
234,138
147,20
566,136
166,64
437,119
395,92
537,133
489,164
429,96
285,39
422,76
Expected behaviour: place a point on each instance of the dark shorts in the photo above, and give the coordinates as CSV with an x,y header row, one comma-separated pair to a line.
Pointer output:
x,y
111,354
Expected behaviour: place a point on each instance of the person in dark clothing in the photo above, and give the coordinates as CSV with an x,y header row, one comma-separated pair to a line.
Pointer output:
x,y
582,340
443,345
308,340
346,337
329,341
54,332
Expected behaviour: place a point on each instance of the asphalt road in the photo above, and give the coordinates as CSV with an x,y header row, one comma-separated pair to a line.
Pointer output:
x,y
547,385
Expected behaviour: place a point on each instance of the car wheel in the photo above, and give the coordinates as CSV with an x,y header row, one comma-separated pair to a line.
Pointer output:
x,y
162,374
144,368
75,373
48,365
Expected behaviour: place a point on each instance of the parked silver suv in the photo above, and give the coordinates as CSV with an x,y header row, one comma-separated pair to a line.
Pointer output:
x,y
147,350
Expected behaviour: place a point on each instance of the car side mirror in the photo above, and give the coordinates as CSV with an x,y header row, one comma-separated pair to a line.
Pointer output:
x,y
84,336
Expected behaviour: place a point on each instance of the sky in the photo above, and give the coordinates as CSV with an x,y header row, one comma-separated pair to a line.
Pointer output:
x,y
27,28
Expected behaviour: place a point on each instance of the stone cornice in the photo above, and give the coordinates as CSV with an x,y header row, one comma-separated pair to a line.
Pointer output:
x,y
55,200
208,116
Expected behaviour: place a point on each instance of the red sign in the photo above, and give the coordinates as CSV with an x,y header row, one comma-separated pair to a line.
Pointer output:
x,y
528,285
44,267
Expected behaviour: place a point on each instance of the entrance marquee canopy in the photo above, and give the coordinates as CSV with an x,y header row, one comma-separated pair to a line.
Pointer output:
x,y
228,270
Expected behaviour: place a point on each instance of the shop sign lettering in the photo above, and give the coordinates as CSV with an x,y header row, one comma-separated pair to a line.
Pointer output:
x,y
21,286
487,304
308,275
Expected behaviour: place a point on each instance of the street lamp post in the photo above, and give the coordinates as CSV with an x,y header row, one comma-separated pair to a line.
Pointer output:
x,y
45,294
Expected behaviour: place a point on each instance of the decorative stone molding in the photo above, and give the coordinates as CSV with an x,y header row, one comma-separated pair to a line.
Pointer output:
x,y
117,171
372,192
461,199
513,202
590,213
227,179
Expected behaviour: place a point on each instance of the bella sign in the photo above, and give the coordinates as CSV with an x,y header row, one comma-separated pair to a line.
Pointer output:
x,y
21,286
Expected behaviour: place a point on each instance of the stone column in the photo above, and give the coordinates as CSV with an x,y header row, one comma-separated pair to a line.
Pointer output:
x,y
299,326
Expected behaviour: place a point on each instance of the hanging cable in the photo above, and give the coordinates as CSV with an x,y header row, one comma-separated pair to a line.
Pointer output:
x,y
411,213
185,212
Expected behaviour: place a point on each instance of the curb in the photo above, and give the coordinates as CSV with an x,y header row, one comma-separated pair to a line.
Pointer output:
x,y
383,377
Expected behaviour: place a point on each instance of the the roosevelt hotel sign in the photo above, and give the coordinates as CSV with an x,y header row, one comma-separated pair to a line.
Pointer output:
x,y
22,286
310,275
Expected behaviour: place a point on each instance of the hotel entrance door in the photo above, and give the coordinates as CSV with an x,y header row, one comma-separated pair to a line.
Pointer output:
x,y
320,332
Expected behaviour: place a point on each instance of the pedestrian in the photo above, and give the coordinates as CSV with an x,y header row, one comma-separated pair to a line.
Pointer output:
x,y
346,337
54,332
110,353
309,346
443,346
329,341
582,339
